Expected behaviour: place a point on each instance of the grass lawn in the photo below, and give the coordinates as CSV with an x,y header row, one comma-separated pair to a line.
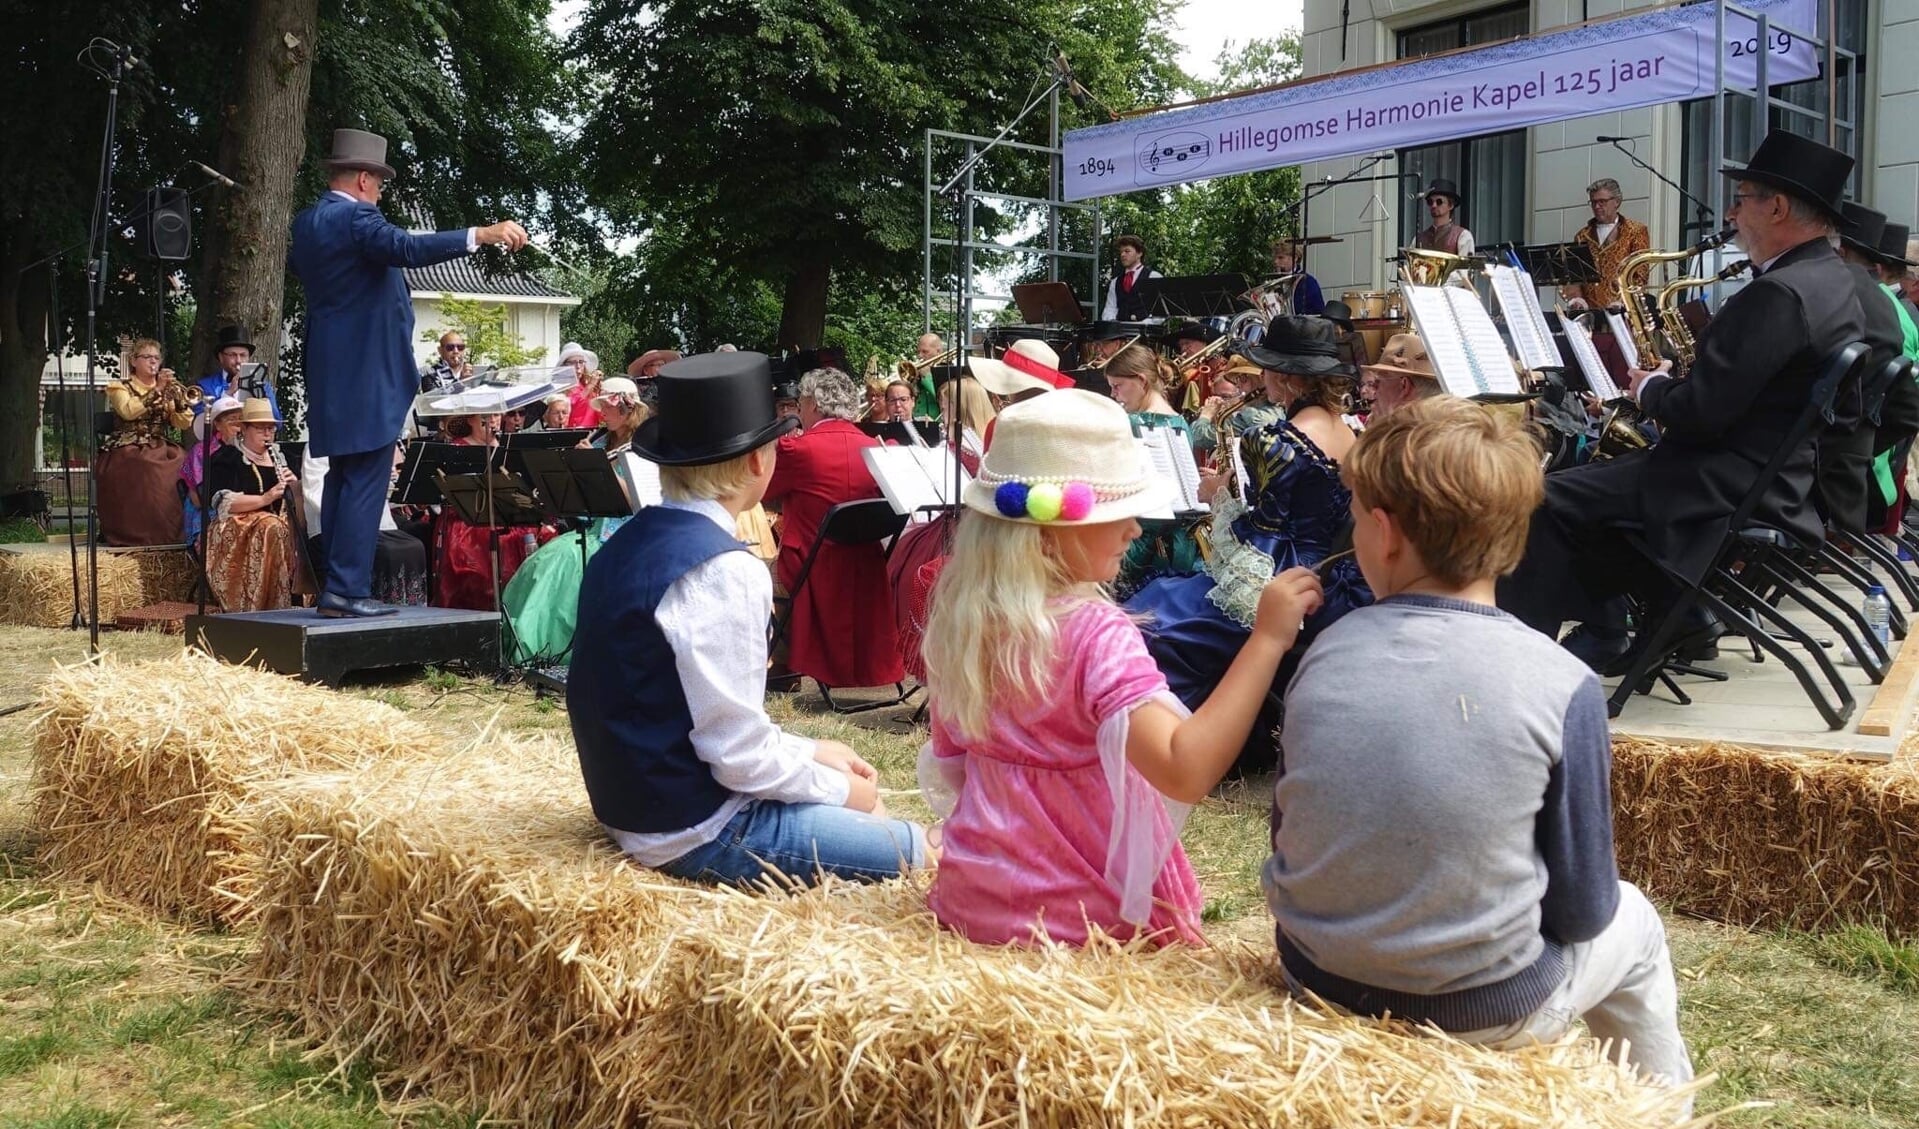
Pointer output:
x,y
110,1018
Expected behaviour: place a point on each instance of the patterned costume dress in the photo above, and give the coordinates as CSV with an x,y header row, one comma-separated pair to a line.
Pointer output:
x,y
138,470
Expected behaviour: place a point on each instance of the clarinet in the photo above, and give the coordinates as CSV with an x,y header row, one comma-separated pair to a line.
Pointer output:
x,y
293,508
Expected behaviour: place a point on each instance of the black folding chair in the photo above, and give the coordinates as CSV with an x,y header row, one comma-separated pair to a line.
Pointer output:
x,y
865,522
1724,592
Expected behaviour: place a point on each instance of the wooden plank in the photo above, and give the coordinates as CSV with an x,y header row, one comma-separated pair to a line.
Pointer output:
x,y
1889,704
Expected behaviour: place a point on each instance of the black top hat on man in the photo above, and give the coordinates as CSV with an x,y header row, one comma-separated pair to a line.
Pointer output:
x,y
1300,345
358,149
1443,187
1190,331
1861,228
712,407
1339,313
1892,245
1800,167
233,337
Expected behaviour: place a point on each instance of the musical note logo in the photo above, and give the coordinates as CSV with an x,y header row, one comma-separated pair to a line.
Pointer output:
x,y
1174,155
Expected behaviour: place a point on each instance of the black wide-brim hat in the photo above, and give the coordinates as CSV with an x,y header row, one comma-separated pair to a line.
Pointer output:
x,y
711,408
1300,346
1443,187
1339,313
1892,246
1115,330
1801,167
232,336
1190,331
1861,228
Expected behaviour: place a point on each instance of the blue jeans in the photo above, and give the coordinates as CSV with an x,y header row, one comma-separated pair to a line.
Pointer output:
x,y
800,841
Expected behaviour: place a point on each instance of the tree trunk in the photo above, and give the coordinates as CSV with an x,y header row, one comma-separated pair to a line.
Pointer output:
x,y
262,142
803,312
23,354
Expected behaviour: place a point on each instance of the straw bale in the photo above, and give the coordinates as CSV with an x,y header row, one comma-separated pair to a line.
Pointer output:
x,y
36,589
849,1006
1770,839
460,921
167,576
143,772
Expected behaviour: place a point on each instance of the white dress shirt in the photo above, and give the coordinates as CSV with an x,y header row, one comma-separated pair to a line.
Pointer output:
x,y
714,617
1140,273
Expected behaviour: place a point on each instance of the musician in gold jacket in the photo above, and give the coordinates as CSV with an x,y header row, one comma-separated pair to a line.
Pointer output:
x,y
138,468
1611,239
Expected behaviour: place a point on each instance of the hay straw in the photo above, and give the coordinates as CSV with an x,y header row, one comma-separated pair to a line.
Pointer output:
x,y
36,589
143,772
460,920
849,1006
1770,839
166,576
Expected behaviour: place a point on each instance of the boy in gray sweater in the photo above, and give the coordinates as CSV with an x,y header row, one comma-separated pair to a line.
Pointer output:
x,y
1442,824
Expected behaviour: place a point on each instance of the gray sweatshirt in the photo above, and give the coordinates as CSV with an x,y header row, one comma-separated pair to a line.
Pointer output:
x,y
1442,824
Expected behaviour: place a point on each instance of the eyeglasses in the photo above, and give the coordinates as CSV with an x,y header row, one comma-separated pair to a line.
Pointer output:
x,y
453,348
1598,200
899,399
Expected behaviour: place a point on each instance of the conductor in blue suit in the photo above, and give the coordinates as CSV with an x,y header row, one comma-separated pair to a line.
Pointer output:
x,y
361,378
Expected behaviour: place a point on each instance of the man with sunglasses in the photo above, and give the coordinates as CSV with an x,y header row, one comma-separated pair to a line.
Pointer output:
x,y
1443,203
452,366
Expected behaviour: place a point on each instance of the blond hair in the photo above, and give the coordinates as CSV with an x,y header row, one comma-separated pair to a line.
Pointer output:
x,y
962,399
1461,481
992,628
1140,363
708,483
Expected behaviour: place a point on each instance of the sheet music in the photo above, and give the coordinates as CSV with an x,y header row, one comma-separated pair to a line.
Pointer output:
x,y
1524,323
1460,337
1170,454
1153,467
1622,333
641,479
912,477
1541,326
1594,369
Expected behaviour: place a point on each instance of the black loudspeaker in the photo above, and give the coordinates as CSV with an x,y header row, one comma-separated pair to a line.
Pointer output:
x,y
165,228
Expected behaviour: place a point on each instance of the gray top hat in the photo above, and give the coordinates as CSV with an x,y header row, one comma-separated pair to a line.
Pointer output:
x,y
358,149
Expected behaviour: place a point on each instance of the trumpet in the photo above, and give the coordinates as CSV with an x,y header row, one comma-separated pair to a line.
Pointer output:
x,y
911,371
1184,367
1100,365
180,396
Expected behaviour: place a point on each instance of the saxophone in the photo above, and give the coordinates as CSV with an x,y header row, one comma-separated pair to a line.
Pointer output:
x,y
1668,301
1619,429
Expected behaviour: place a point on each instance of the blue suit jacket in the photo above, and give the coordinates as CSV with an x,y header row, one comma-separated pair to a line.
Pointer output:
x,y
360,373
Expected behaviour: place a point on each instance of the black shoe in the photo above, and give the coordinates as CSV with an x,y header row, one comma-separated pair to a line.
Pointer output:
x,y
1698,641
1596,647
340,607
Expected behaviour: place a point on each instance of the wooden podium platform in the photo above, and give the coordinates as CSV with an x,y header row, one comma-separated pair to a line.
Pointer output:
x,y
298,641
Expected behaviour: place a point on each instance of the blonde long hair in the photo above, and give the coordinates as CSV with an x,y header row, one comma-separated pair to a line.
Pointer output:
x,y
992,630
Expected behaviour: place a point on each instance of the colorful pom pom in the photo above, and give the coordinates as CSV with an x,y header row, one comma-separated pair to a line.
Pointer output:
x,y
1043,502
1010,499
1076,501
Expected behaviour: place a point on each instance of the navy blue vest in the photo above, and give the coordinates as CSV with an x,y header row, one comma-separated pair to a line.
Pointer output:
x,y
623,694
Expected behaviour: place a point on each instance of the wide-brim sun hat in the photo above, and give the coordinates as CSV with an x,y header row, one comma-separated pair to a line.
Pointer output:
x,y
664,356
258,410
1064,459
574,349
617,386
1300,345
1029,365
1405,355
711,408
214,411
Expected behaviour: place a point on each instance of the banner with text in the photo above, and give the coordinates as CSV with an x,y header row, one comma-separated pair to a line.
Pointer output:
x,y
1646,59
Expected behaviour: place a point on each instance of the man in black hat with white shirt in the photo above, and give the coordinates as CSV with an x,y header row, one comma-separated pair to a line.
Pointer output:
x,y
667,688
1753,375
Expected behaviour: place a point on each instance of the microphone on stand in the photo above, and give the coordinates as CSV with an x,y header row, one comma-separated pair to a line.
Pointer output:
x,y
1063,71
1611,140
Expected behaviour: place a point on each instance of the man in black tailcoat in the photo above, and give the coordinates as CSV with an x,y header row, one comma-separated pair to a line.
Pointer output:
x,y
1845,446
1756,365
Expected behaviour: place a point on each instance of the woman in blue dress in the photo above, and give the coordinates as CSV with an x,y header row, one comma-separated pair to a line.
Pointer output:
x,y
1295,513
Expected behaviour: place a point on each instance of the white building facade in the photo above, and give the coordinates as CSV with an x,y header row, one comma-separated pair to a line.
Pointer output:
x,y
1529,185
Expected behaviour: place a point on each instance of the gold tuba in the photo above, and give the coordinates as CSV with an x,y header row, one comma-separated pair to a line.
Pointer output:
x,y
1420,267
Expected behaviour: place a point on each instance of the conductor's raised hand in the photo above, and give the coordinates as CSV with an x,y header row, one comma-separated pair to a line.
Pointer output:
x,y
1285,603
506,234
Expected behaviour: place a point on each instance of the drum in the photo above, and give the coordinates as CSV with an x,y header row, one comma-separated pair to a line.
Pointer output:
x,y
1001,337
1372,306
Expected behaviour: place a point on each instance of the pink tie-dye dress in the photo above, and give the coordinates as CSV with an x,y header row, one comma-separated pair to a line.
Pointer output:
x,y
1051,828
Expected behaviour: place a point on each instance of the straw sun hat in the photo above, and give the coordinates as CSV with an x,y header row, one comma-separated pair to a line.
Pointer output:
x,y
1064,459
1029,365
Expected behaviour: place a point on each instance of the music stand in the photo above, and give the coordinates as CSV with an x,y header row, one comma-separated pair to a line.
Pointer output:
x,y
419,483
942,374
495,499
1198,296
576,482
889,431
1556,264
1047,303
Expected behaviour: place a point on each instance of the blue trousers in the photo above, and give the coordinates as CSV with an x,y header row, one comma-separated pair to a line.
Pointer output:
x,y
356,488
801,841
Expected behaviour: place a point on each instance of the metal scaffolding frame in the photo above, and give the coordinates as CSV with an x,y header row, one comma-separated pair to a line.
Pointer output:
x,y
965,149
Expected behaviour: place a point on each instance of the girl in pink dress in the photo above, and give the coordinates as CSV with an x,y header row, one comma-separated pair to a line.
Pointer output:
x,y
1064,766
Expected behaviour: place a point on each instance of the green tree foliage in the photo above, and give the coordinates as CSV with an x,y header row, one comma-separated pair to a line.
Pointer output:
x,y
784,137
488,340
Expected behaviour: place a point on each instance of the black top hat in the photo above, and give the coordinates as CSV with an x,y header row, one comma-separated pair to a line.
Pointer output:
x,y
712,408
1443,187
358,149
1113,330
1861,228
1339,313
1189,331
1301,346
1801,167
231,336
1892,245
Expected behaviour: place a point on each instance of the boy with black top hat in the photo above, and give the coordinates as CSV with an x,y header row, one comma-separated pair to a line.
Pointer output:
x,y
666,692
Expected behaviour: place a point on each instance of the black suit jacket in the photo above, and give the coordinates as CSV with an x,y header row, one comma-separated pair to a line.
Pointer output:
x,y
1753,375
1899,417
1846,445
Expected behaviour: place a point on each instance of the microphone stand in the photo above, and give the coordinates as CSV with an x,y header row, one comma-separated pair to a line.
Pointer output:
x,y
1703,213
960,187
96,282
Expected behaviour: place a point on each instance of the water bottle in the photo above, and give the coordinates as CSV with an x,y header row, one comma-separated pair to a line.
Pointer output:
x,y
531,543
1878,611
